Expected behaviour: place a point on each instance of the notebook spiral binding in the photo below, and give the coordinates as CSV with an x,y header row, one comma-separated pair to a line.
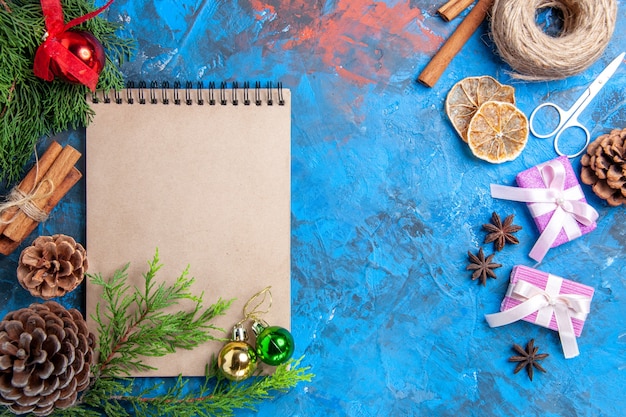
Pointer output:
x,y
223,95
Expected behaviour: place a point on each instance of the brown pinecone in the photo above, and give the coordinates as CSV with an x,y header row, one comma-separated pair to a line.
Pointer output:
x,y
604,167
46,353
52,266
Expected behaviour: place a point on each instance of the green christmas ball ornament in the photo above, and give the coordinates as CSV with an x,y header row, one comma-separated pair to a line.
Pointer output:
x,y
274,344
237,360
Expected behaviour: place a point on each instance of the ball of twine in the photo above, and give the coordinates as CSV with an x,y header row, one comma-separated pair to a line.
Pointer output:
x,y
534,55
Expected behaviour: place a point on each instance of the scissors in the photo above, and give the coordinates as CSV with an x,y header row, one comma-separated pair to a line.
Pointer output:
x,y
569,118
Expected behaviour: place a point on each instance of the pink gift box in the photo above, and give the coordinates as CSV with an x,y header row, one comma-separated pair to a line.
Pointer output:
x,y
546,282
532,178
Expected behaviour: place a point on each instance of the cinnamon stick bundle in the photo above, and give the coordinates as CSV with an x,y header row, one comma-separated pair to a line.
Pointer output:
x,y
43,187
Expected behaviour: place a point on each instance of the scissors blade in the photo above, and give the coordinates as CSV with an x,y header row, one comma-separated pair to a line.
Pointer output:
x,y
601,80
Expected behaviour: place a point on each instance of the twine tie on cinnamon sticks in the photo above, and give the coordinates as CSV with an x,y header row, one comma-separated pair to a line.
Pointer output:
x,y
534,55
37,194
24,202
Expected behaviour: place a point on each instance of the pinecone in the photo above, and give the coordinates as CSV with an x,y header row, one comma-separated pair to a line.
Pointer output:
x,y
46,353
52,266
604,167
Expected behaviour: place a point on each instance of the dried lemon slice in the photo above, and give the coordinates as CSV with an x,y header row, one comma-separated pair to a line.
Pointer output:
x,y
466,96
498,132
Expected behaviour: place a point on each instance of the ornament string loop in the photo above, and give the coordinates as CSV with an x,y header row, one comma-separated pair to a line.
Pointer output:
x,y
274,344
51,50
252,310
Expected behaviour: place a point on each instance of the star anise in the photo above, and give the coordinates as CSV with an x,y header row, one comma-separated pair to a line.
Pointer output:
x,y
528,358
501,232
482,267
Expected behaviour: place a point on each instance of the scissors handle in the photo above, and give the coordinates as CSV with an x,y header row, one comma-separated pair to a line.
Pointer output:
x,y
572,123
567,120
563,116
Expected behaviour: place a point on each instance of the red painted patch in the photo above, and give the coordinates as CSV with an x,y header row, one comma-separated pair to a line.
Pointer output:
x,y
262,9
362,40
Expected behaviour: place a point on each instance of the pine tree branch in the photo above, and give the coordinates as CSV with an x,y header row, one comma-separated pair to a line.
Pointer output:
x,y
133,325
217,396
114,351
31,108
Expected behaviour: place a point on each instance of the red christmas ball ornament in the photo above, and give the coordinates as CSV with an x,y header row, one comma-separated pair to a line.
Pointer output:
x,y
85,47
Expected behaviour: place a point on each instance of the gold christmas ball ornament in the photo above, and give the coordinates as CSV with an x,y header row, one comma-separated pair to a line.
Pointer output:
x,y
237,360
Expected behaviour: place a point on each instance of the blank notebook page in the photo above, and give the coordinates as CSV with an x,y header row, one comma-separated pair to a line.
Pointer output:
x,y
209,186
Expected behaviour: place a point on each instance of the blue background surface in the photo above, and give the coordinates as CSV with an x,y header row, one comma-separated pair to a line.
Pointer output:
x,y
386,202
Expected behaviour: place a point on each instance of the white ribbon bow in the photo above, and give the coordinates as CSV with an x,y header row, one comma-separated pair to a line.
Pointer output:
x,y
546,303
568,210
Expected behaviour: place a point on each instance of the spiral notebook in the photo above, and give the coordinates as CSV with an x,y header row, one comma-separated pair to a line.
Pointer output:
x,y
202,174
